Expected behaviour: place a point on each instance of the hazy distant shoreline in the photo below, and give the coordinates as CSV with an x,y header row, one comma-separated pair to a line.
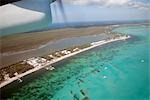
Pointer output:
x,y
28,41
68,30
23,45
25,41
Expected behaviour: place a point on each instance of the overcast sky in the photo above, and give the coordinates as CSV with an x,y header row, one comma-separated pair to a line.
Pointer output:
x,y
101,10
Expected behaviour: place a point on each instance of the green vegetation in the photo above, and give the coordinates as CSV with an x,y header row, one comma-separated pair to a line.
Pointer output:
x,y
19,68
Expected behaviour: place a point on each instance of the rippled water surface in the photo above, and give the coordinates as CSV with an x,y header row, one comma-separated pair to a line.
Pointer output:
x,y
116,71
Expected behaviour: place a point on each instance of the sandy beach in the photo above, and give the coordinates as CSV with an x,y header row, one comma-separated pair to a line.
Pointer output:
x,y
93,45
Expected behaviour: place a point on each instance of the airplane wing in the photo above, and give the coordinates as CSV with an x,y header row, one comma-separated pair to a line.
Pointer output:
x,y
24,16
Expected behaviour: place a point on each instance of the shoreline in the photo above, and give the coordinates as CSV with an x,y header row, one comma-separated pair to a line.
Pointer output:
x,y
17,47
93,45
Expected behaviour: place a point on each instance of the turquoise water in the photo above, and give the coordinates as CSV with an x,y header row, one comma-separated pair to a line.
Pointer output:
x,y
116,71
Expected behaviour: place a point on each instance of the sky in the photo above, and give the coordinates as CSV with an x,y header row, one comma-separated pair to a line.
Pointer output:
x,y
100,10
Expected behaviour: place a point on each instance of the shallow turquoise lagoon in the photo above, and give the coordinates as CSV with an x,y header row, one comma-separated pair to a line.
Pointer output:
x,y
116,71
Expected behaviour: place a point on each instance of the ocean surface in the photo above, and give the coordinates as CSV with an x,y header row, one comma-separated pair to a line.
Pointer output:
x,y
116,71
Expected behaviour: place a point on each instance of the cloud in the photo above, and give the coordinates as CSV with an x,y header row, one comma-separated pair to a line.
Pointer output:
x,y
139,5
101,2
116,2
109,3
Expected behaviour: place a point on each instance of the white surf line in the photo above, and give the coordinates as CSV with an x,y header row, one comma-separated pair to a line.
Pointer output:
x,y
99,43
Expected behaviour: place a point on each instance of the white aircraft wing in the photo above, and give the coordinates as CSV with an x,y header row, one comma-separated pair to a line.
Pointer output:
x,y
24,16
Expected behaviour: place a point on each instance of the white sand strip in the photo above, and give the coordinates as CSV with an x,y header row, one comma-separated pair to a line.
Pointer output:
x,y
61,58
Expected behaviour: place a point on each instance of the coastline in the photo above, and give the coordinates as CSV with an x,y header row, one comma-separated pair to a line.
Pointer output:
x,y
93,45
20,46
17,47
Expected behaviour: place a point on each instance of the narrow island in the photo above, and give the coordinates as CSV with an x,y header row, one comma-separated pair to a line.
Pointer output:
x,y
22,68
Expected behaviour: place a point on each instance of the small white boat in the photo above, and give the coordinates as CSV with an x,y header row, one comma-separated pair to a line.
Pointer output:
x,y
105,68
142,61
104,77
50,68
20,80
